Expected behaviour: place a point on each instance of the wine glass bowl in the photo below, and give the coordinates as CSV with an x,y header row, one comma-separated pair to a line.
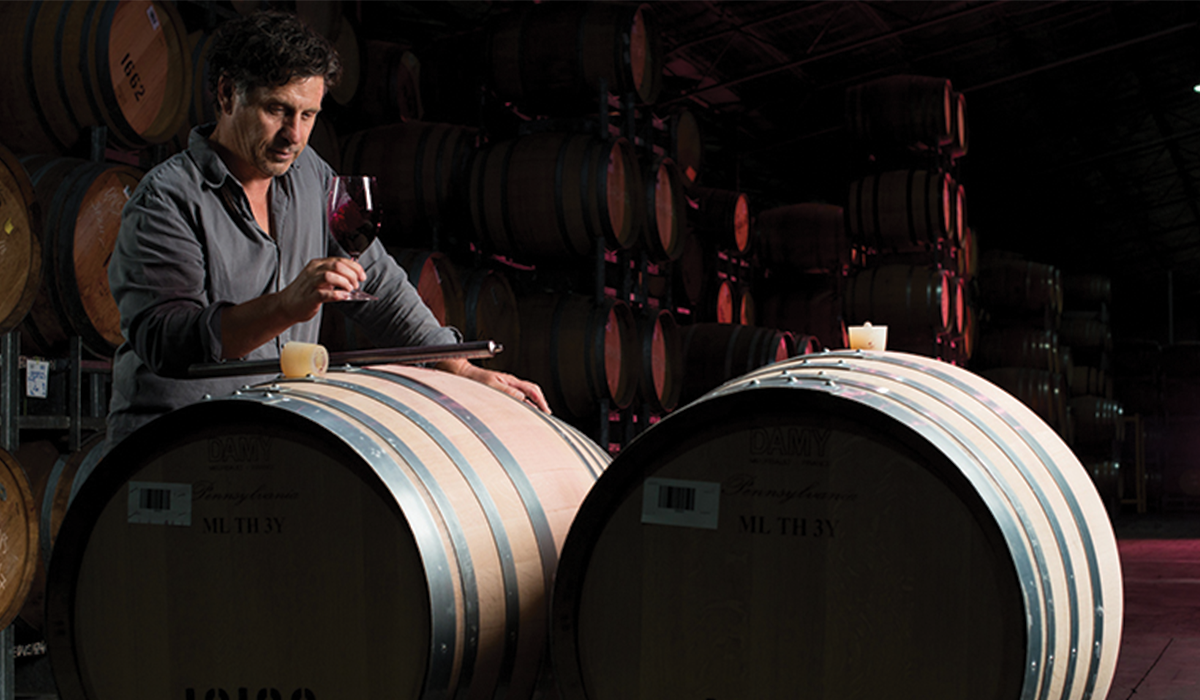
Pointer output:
x,y
354,217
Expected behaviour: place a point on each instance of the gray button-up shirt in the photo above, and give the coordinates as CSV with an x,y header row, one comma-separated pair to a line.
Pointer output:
x,y
189,246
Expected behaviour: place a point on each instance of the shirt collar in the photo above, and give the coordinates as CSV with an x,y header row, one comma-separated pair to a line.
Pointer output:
x,y
212,168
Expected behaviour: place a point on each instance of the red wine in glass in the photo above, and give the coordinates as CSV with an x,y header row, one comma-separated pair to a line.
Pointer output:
x,y
354,217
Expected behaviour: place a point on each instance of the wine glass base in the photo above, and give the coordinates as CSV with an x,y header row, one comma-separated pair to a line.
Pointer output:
x,y
360,296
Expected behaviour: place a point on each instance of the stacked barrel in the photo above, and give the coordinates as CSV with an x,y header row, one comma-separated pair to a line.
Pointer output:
x,y
1019,348
1097,415
906,214
1046,338
94,93
563,216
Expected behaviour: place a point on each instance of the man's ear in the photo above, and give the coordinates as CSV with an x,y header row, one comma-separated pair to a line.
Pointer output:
x,y
226,93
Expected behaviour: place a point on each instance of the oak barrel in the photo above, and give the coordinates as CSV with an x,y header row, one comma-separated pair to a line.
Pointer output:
x,y
1043,391
960,134
553,195
1017,346
21,244
556,55
18,538
387,531
803,237
722,217
491,312
202,105
661,341
720,306
391,88
581,352
686,144
351,52
52,479
841,525
901,112
1009,283
816,313
916,303
437,282
1086,290
324,17
666,210
902,209
68,66
421,169
714,353
81,204
1098,422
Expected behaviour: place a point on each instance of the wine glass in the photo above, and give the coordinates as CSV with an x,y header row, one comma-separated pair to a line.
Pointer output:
x,y
354,217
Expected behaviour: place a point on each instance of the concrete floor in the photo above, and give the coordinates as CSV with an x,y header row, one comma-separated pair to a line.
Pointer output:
x,y
1160,642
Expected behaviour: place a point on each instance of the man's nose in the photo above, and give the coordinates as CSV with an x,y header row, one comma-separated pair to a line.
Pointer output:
x,y
290,130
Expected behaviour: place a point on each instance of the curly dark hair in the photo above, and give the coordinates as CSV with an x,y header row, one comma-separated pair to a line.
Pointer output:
x,y
269,49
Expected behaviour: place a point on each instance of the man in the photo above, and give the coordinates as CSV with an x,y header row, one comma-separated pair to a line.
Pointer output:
x,y
224,251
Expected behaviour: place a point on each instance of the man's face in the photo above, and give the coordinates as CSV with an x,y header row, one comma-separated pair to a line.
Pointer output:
x,y
270,126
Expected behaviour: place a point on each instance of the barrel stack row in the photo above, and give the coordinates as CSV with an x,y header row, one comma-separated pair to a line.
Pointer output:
x,y
587,246
907,212
72,222
896,250
1097,414
1048,341
514,209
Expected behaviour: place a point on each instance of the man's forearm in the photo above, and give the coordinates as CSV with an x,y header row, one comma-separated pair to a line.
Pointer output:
x,y
251,324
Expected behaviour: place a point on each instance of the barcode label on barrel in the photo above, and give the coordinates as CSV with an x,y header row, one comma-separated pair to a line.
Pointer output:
x,y
677,497
152,503
680,503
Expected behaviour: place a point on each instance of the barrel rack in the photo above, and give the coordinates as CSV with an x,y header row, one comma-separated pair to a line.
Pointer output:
x,y
80,383
607,273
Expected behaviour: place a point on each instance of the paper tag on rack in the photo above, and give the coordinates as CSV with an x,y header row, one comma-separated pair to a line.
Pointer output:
x,y
37,378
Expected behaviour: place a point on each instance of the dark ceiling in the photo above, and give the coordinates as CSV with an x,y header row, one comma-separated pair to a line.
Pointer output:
x,y
1084,130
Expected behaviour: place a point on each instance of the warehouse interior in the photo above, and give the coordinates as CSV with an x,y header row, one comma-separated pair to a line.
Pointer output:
x,y
1072,154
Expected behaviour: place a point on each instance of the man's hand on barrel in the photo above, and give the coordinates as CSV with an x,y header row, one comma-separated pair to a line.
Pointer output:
x,y
519,389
